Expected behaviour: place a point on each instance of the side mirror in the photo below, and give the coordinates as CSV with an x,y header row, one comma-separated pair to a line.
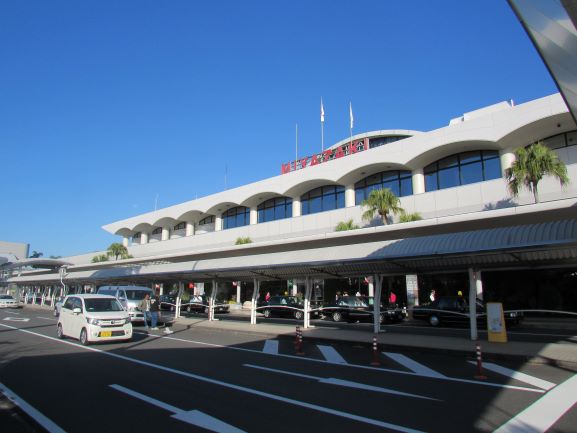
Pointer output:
x,y
77,310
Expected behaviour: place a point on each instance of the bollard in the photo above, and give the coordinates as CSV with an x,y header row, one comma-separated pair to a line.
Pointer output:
x,y
479,374
298,330
375,361
299,342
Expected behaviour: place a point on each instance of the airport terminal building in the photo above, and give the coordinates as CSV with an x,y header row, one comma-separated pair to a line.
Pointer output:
x,y
474,236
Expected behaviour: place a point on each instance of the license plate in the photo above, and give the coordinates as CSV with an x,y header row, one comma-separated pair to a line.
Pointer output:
x,y
106,333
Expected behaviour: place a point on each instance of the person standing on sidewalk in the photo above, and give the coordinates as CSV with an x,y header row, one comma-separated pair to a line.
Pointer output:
x,y
145,308
154,311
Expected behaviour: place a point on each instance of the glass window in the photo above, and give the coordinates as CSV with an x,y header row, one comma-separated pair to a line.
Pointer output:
x,y
157,231
450,161
449,177
207,220
470,157
471,173
556,142
406,186
571,138
275,209
492,169
180,226
400,182
236,217
322,199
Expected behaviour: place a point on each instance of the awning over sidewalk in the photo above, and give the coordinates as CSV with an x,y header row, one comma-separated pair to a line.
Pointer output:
x,y
528,246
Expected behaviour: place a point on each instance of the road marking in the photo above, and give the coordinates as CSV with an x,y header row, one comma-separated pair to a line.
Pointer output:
x,y
331,355
545,412
46,318
414,366
341,382
522,377
322,361
17,319
12,312
48,424
228,385
194,417
270,347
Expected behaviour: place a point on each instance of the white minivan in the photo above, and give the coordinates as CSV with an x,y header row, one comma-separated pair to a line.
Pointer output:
x,y
92,318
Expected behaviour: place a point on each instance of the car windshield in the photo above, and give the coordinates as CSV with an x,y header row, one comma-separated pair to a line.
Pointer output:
x,y
6,297
96,305
136,295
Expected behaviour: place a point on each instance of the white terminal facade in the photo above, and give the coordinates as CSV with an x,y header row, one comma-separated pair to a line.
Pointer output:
x,y
452,176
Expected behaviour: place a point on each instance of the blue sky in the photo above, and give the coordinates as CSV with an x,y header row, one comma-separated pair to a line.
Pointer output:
x,y
107,105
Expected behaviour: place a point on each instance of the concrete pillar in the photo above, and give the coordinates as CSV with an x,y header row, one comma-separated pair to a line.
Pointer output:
x,y
218,222
125,241
350,195
255,295
475,290
507,157
418,181
165,234
371,286
378,282
307,306
238,292
143,238
253,216
189,229
297,209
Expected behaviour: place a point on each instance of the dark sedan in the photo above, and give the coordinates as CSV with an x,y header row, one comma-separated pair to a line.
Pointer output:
x,y
451,310
199,304
284,306
361,308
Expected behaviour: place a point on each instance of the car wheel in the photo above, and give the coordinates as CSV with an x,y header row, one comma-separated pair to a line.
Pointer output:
x,y
434,320
299,315
59,331
84,337
337,316
266,313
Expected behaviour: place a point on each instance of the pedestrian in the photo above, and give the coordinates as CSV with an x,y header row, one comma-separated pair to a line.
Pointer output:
x,y
392,298
145,308
267,297
154,312
433,295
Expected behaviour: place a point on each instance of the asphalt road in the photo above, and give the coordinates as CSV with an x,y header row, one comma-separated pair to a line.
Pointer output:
x,y
201,380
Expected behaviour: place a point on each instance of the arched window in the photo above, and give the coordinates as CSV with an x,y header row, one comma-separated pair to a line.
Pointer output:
x,y
322,199
157,231
275,209
561,140
236,217
207,220
136,236
462,169
400,182
180,226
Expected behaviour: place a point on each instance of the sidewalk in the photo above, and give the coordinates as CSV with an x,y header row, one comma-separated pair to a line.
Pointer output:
x,y
558,353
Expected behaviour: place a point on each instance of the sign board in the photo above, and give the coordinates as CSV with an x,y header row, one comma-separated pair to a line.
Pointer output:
x,y
496,328
412,283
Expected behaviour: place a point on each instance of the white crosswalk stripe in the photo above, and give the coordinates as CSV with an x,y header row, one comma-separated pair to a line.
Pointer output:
x,y
270,346
522,377
414,366
331,355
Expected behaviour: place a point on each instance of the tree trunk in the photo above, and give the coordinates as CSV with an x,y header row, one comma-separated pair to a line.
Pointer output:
x,y
535,192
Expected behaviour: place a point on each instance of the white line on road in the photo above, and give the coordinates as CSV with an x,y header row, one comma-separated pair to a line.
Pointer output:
x,y
227,385
270,347
48,424
414,366
545,412
522,377
12,312
322,361
194,417
341,382
331,355
17,319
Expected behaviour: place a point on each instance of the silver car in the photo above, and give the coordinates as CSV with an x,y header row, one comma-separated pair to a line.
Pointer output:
x,y
129,297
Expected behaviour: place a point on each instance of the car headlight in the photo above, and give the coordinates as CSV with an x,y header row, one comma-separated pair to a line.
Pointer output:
x,y
93,321
512,314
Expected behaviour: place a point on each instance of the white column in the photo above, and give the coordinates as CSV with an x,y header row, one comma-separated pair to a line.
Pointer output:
x,y
507,159
254,300
371,286
165,234
378,281
125,241
143,238
308,293
350,195
418,181
297,207
475,288
218,222
189,229
253,216
238,292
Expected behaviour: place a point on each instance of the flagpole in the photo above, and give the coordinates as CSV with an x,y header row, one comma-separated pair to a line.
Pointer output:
x,y
351,121
296,144
322,126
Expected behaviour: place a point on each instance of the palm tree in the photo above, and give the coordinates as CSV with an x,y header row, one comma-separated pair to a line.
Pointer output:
x,y
531,164
382,201
346,225
117,250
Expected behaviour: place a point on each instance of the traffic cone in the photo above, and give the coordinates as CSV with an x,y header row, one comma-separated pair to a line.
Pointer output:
x,y
479,375
375,361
